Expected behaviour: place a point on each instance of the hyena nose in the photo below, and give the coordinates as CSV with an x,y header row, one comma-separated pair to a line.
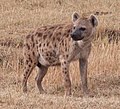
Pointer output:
x,y
72,35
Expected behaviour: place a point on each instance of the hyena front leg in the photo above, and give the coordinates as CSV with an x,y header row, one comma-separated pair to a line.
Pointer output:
x,y
29,64
83,63
40,76
66,78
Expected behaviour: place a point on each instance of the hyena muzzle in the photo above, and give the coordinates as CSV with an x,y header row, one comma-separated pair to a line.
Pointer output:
x,y
59,45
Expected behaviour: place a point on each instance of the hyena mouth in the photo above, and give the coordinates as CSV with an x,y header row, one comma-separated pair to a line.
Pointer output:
x,y
77,38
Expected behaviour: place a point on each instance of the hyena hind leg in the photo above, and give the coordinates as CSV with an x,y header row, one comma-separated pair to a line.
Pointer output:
x,y
27,71
41,73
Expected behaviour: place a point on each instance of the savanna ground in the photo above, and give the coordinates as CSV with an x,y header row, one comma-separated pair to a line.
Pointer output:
x,y
18,17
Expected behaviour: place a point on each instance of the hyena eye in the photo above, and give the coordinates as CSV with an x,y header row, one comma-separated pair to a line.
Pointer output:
x,y
82,29
74,27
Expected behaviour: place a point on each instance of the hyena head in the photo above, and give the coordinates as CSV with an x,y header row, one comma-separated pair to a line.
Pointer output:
x,y
83,28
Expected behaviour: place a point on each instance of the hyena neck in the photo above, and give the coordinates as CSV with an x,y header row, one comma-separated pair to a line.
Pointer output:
x,y
82,44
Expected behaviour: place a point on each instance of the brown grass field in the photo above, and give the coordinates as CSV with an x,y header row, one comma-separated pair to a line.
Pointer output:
x,y
18,17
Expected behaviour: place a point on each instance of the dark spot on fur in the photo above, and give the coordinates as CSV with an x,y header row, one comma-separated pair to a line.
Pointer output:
x,y
33,53
30,60
28,47
36,42
59,33
37,48
67,56
24,75
33,45
24,78
40,45
66,49
53,38
69,31
65,72
44,36
54,52
49,58
67,35
48,44
52,27
50,35
66,79
55,45
28,36
58,39
26,62
24,54
62,41
26,72
39,34
48,32
29,65
53,61
32,38
66,45
44,44
50,53
62,64
65,62
65,69
24,67
28,55
47,54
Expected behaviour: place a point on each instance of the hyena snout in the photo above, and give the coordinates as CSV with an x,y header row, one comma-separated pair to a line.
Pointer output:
x,y
77,34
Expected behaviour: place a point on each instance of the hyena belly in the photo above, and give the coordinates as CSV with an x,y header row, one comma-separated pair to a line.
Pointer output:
x,y
49,58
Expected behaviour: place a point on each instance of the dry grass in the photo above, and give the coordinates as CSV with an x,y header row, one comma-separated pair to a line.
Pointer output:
x,y
18,17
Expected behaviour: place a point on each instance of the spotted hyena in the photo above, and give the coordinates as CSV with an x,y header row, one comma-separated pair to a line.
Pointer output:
x,y
59,45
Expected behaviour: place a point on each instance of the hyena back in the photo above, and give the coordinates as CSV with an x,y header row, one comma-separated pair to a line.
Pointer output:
x,y
59,45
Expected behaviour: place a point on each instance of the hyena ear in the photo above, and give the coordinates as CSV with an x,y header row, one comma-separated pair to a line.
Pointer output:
x,y
75,16
93,20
